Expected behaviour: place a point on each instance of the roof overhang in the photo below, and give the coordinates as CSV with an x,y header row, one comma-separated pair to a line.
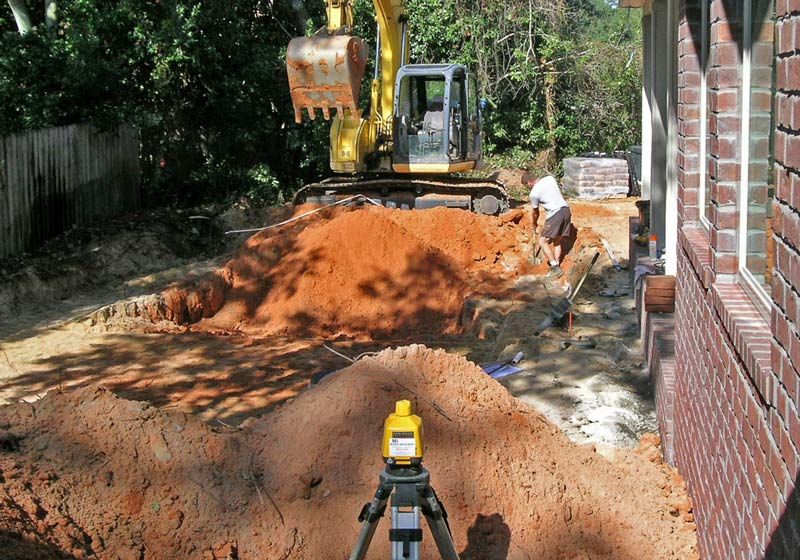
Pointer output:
x,y
645,5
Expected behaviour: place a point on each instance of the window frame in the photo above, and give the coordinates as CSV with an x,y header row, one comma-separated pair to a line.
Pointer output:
x,y
745,277
705,59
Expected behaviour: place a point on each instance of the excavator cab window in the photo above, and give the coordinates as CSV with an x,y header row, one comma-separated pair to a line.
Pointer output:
x,y
456,119
432,115
421,113
474,140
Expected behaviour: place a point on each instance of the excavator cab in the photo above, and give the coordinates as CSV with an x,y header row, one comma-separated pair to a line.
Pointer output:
x,y
437,120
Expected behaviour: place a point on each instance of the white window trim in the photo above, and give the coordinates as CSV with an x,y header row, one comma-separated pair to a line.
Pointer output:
x,y
705,36
751,285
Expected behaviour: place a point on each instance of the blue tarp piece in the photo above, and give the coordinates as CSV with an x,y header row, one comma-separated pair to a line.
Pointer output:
x,y
500,369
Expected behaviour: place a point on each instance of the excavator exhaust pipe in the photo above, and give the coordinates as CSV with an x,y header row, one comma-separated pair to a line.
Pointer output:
x,y
325,72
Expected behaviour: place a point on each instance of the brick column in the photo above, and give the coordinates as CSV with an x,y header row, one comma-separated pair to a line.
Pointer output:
x,y
689,95
724,131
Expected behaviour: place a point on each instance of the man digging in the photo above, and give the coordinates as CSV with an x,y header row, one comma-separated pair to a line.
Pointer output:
x,y
546,192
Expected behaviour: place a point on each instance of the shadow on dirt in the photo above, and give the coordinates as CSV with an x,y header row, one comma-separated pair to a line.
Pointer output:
x,y
209,468
15,547
488,537
229,377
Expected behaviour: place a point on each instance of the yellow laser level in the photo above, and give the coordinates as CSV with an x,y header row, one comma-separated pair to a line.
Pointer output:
x,y
407,484
402,437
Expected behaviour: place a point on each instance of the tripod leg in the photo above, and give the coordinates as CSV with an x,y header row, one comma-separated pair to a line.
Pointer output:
x,y
437,521
369,517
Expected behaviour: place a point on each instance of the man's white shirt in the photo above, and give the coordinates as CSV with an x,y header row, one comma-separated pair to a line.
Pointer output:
x,y
545,192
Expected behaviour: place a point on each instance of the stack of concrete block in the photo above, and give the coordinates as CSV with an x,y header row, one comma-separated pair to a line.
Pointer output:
x,y
596,178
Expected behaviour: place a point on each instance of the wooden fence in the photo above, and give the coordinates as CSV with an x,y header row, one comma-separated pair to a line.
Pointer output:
x,y
55,178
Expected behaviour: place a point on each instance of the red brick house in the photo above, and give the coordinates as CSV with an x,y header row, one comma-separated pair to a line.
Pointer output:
x,y
721,166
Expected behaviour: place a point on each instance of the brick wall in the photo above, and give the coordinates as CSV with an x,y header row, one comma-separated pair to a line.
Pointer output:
x,y
659,346
784,414
735,425
724,130
688,113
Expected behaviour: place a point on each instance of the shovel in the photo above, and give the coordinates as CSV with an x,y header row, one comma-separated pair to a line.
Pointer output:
x,y
537,248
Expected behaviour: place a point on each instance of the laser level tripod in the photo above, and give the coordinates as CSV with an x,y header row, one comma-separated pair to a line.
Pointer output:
x,y
407,483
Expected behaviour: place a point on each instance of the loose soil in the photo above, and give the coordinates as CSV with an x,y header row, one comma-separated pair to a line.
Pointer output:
x,y
84,471
227,375
87,474
366,273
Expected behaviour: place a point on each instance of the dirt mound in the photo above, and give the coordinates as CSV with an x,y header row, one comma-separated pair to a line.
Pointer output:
x,y
477,243
373,271
366,273
360,272
91,474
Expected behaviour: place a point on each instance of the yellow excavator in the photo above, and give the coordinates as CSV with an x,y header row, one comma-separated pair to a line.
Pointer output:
x,y
422,125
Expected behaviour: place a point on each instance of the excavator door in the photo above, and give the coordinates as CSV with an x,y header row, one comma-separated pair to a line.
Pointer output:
x,y
474,120
325,72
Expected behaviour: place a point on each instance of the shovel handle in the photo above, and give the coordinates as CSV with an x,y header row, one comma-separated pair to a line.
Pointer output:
x,y
583,278
537,248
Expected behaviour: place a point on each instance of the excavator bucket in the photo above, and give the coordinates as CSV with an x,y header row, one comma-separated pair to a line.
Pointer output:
x,y
325,72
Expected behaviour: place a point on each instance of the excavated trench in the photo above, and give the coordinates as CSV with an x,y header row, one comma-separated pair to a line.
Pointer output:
x,y
363,273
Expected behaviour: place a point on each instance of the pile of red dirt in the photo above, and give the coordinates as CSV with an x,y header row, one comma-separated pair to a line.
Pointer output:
x,y
369,272
90,475
359,272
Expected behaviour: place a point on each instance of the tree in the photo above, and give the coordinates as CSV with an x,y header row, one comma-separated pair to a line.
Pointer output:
x,y
205,82
539,62
21,13
50,13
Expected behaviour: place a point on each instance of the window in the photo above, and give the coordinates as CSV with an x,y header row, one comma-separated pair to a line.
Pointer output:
x,y
421,117
756,246
472,101
473,119
704,197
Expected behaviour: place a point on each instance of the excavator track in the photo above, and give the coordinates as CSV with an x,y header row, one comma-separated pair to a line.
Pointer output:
x,y
483,196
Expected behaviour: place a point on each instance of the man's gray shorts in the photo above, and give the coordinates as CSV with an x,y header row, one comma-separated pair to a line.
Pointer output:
x,y
558,225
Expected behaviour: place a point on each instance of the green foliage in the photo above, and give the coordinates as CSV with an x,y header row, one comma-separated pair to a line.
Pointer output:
x,y
265,188
513,158
205,81
585,52
77,72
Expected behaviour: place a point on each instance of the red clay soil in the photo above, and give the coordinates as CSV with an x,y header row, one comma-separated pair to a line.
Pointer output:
x,y
588,210
95,476
370,272
360,272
